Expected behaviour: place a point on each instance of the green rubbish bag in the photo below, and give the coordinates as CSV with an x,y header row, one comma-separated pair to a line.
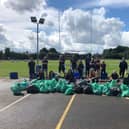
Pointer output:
x,y
113,83
53,82
34,81
59,85
97,89
70,85
69,91
64,86
15,88
124,87
52,85
19,86
43,89
105,90
37,84
125,90
24,84
41,84
125,93
48,86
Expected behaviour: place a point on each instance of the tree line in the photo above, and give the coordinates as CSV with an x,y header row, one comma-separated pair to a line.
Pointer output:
x,y
53,54
116,53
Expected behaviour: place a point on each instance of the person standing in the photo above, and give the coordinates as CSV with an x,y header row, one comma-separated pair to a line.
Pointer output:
x,y
31,65
92,64
45,67
123,66
80,68
62,64
87,64
74,63
103,67
97,67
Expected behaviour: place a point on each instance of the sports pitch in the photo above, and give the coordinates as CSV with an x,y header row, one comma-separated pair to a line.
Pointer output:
x,y
22,67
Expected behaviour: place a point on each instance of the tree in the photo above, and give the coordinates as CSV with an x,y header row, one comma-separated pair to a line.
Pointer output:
x,y
43,52
53,50
7,53
116,53
1,54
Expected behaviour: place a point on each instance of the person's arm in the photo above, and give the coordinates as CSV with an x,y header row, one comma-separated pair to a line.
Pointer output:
x,y
119,64
82,66
126,65
34,64
28,64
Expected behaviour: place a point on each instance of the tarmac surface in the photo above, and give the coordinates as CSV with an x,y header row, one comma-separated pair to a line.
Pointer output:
x,y
57,111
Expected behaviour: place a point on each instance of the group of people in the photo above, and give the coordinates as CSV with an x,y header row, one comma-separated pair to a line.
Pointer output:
x,y
92,67
40,72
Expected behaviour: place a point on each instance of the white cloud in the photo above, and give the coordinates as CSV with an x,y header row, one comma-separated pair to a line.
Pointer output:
x,y
125,38
91,29
87,4
24,5
3,39
104,3
114,3
84,31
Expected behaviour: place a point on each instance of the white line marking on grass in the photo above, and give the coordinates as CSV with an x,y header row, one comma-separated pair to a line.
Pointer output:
x,y
15,102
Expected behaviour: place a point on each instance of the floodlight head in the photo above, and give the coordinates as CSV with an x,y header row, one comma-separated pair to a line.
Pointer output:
x,y
41,20
33,19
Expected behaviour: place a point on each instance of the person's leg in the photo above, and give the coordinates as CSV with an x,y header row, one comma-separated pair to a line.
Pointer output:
x,y
33,75
46,72
87,71
123,72
59,69
30,75
63,69
81,73
120,73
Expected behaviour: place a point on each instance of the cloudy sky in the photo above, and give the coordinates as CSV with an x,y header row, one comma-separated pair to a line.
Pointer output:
x,y
85,25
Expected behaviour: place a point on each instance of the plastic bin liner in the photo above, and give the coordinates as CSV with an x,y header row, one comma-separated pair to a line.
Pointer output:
x,y
124,90
19,86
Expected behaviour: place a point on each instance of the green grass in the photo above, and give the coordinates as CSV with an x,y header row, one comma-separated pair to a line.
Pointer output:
x,y
22,68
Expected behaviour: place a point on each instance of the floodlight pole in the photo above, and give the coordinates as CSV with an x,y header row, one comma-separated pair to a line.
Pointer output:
x,y
41,21
37,42
91,32
59,28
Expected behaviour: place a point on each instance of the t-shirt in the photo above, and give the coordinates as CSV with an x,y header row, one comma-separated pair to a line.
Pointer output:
x,y
103,67
97,64
61,59
123,65
31,65
45,63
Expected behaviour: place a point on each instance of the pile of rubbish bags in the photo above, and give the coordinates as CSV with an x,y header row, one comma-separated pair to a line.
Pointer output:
x,y
111,88
43,86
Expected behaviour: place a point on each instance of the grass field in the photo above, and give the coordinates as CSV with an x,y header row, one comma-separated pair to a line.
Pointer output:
x,y
22,68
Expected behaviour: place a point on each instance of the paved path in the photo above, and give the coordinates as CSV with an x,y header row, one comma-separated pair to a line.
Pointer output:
x,y
57,111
